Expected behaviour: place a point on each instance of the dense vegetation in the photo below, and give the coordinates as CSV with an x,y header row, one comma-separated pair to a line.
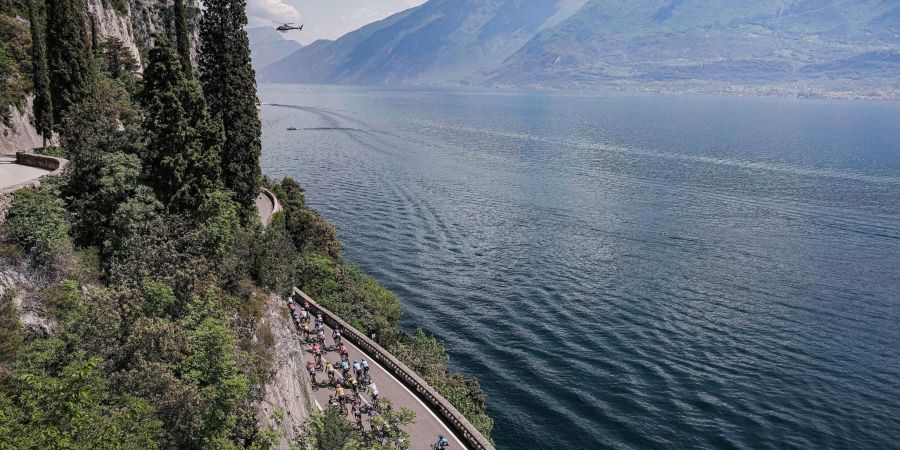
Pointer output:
x,y
151,263
150,301
15,57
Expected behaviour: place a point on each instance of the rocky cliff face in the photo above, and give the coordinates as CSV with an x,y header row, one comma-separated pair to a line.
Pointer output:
x,y
134,24
288,399
21,135
27,286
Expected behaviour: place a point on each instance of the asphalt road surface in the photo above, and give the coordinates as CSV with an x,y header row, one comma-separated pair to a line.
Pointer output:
x,y
266,208
12,174
426,428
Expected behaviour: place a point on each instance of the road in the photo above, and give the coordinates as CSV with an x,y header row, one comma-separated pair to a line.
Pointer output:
x,y
427,426
266,208
12,174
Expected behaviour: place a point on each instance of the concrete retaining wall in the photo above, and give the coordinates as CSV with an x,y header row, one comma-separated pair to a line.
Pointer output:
x,y
54,165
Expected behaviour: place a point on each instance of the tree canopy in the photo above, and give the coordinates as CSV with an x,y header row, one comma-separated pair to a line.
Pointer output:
x,y
183,142
69,56
230,88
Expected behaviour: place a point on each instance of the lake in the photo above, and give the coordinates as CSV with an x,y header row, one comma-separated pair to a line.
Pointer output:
x,y
626,270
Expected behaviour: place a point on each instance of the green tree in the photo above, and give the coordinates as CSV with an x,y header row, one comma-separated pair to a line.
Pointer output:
x,y
212,366
328,430
12,336
69,56
116,179
43,105
74,410
182,39
117,59
219,221
183,142
36,222
230,88
308,230
275,257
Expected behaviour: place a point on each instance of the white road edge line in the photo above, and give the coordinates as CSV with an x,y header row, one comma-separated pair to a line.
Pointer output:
x,y
463,445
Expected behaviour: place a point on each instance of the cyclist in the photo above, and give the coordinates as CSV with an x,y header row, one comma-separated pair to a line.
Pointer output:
x,y
329,369
342,349
354,385
374,392
336,335
357,412
339,391
442,443
317,353
304,315
357,367
365,366
306,331
320,336
312,371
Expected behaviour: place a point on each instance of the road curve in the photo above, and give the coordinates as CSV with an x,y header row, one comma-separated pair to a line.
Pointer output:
x,y
12,174
427,426
268,205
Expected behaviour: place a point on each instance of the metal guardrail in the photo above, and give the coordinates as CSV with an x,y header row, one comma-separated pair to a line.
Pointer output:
x,y
451,416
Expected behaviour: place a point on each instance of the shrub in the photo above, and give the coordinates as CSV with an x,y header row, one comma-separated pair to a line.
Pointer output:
x,y
427,357
11,333
327,430
275,257
37,224
219,221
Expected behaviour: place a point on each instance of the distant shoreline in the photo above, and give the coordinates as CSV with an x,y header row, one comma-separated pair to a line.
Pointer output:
x,y
770,91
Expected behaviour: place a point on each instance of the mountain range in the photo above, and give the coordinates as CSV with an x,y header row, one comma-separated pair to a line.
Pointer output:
x,y
793,45
268,46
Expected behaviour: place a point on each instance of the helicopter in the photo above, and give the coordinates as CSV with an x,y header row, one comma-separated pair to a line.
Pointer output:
x,y
285,27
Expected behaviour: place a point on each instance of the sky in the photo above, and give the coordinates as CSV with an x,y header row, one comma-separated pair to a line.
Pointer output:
x,y
323,19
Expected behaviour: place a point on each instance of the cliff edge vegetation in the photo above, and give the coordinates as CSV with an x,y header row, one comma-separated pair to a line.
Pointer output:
x,y
144,267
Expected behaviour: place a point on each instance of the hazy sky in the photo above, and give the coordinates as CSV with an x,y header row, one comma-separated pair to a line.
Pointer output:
x,y
323,19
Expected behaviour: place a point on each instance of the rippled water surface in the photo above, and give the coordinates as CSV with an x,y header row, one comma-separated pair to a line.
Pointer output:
x,y
626,270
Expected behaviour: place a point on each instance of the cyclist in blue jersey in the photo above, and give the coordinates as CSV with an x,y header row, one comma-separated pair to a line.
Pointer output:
x,y
441,444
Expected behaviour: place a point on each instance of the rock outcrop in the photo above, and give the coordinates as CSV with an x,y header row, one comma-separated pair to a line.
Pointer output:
x,y
21,135
288,400
16,277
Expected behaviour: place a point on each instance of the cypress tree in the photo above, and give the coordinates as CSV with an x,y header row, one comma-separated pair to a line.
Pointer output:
x,y
230,88
43,106
69,56
183,142
182,41
117,59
